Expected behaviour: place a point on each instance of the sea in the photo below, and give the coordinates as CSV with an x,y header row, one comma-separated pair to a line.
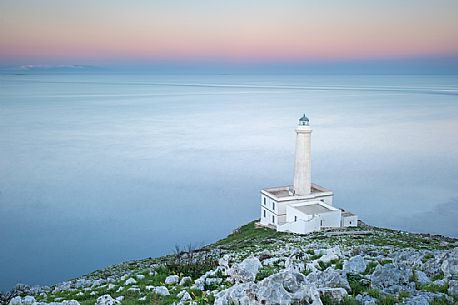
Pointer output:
x,y
100,168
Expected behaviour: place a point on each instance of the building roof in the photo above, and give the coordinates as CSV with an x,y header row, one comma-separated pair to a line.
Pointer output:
x,y
304,119
347,213
311,209
284,193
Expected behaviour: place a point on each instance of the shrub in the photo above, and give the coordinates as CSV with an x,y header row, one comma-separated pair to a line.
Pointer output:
x,y
349,300
356,284
385,261
265,272
439,276
370,268
443,301
374,293
434,288
387,300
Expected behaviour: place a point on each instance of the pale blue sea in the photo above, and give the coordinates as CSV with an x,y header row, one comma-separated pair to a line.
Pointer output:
x,y
99,169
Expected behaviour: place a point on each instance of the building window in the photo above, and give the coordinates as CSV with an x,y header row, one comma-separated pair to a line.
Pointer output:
x,y
321,222
273,219
264,213
264,200
273,205
295,218
350,222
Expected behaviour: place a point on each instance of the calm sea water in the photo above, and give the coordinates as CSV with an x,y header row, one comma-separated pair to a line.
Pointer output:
x,y
98,169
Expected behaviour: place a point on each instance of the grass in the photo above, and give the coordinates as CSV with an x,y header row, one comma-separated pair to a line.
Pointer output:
x,y
444,301
387,300
248,239
266,272
347,300
357,284
249,236
370,268
433,287
427,257
439,276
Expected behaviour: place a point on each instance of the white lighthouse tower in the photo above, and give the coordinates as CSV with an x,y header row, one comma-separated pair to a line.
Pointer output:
x,y
303,162
304,206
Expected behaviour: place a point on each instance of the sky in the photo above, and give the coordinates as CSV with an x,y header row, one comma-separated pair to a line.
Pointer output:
x,y
141,32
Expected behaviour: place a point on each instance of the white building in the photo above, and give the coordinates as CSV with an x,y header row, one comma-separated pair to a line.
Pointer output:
x,y
303,207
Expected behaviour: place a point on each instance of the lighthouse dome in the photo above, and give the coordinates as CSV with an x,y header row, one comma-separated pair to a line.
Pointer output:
x,y
304,121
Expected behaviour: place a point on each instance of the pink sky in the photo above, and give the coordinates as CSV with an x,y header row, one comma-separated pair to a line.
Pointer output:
x,y
290,30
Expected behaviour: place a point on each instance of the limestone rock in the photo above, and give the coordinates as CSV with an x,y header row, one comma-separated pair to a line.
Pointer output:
x,y
130,281
355,265
70,302
224,261
184,296
213,281
246,271
331,254
335,294
450,264
106,300
453,287
285,288
422,278
120,298
161,290
134,289
417,300
27,300
111,286
172,279
185,281
329,278
366,299
391,278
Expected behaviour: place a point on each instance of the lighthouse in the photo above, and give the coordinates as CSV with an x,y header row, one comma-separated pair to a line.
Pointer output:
x,y
303,162
304,206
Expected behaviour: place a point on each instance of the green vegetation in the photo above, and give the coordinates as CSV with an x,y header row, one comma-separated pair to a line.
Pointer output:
x,y
374,293
444,301
248,236
427,257
386,261
248,239
387,300
348,300
266,272
358,284
439,276
370,268
433,287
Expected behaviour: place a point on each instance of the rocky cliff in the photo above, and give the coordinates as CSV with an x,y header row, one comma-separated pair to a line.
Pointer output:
x,y
254,266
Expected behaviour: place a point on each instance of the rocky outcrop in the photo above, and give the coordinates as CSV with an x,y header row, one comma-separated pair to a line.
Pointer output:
x,y
246,270
329,278
107,300
355,265
392,278
282,288
172,279
337,295
291,269
161,290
